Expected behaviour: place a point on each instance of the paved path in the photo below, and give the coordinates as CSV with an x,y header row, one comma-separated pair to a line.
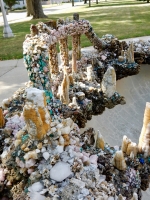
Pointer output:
x,y
14,17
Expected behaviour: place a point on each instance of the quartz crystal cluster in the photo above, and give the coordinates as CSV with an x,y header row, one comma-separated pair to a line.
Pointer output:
x,y
44,155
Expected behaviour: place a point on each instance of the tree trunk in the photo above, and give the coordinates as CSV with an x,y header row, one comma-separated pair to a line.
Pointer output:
x,y
34,8
30,10
38,10
147,1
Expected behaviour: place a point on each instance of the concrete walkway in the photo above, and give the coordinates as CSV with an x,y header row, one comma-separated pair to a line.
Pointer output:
x,y
14,75
14,17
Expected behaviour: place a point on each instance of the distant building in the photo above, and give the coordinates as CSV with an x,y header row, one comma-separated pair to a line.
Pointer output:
x,y
20,4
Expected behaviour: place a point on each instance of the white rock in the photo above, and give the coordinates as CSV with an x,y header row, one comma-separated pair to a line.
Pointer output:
x,y
43,149
60,171
36,187
85,192
36,96
37,150
65,130
46,155
59,149
109,82
30,163
36,196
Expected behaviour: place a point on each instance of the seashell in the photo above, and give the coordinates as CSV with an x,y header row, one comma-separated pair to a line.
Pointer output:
x,y
5,103
119,161
2,119
66,139
19,134
68,122
39,146
80,95
31,155
23,146
61,141
135,196
17,142
120,58
120,197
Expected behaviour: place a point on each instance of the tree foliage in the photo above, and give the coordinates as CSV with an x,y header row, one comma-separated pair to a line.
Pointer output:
x,y
10,3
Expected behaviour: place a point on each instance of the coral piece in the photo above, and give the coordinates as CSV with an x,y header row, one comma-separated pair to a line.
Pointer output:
x,y
99,141
125,143
34,121
119,161
39,112
109,82
132,147
144,139
2,119
64,88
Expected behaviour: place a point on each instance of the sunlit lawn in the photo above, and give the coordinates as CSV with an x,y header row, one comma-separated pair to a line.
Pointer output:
x,y
122,18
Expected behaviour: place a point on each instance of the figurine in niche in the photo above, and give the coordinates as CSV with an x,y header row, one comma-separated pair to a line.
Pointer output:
x,y
130,54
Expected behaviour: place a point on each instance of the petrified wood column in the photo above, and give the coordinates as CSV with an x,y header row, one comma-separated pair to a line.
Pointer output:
x,y
64,52
53,59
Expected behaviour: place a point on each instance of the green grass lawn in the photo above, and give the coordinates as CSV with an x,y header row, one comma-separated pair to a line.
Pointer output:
x,y
122,18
